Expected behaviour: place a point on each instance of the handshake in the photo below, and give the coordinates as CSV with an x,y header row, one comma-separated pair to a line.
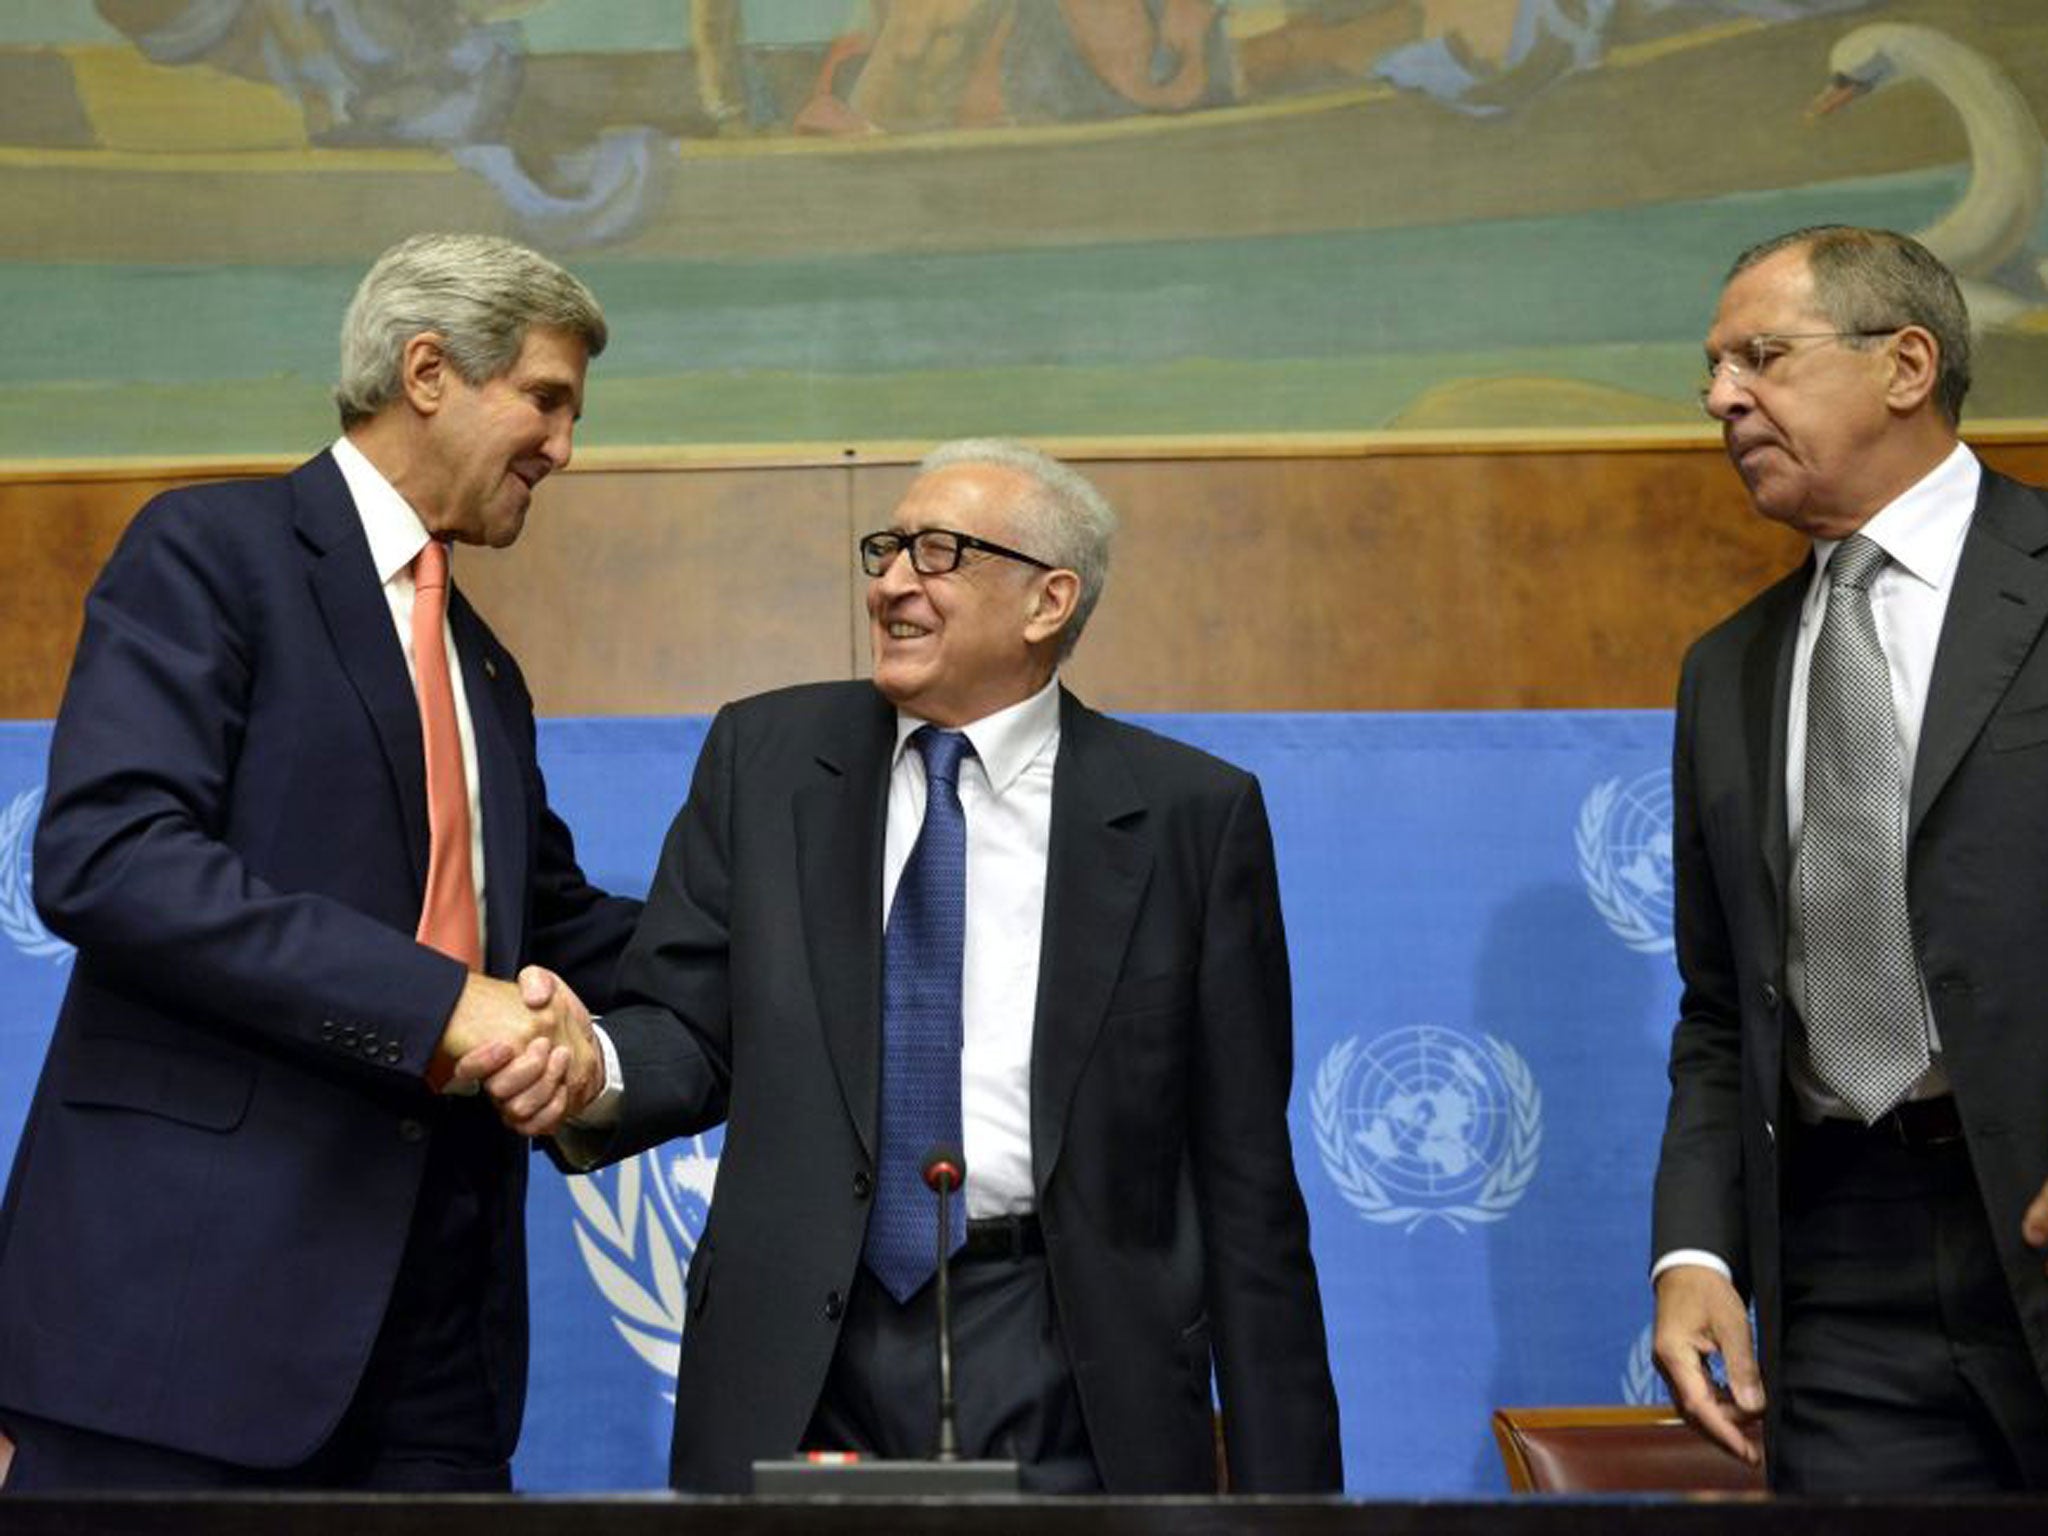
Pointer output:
x,y
528,1044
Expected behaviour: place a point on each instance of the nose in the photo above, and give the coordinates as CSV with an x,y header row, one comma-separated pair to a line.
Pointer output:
x,y
898,576
561,441
1726,395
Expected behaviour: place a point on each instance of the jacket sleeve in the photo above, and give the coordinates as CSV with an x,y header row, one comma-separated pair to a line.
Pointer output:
x,y
1698,1198
1271,1352
132,858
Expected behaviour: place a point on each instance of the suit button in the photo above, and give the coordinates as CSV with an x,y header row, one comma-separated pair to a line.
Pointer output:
x,y
327,1028
410,1130
348,1037
393,1054
1770,996
863,1186
835,1306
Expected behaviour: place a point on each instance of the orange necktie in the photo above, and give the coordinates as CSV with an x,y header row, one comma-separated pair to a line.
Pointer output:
x,y
448,919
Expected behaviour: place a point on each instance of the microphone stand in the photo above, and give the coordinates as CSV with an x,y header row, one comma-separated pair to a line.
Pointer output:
x,y
949,1433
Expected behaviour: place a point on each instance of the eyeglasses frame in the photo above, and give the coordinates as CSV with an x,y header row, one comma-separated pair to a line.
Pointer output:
x,y
908,542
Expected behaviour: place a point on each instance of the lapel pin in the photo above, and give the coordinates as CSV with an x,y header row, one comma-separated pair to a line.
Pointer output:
x,y
490,669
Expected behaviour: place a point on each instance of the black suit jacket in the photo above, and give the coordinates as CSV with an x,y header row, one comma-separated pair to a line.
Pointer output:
x,y
1977,882
207,1209
1161,1062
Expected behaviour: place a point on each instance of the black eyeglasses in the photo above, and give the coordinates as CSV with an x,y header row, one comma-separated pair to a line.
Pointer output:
x,y
933,551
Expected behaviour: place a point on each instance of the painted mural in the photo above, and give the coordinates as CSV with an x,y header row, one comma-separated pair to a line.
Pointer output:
x,y
825,222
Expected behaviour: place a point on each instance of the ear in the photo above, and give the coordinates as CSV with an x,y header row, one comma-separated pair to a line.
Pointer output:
x,y
1916,360
424,372
1053,600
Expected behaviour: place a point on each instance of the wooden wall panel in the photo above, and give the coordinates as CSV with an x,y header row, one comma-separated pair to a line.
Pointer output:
x,y
644,592
1328,580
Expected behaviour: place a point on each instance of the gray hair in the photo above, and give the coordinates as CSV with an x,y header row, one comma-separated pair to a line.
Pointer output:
x,y
479,293
1876,280
1065,520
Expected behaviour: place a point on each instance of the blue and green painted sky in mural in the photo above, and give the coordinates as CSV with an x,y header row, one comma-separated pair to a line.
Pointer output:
x,y
753,309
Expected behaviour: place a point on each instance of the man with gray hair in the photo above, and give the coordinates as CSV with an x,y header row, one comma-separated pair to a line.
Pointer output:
x,y
1081,981
295,827
1857,1140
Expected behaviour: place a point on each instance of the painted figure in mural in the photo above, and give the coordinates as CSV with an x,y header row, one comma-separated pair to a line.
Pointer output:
x,y
1855,1140
1990,237
1084,919
295,828
448,74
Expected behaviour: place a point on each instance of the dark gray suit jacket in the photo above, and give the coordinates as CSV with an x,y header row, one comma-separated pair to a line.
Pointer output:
x,y
1161,1063
1977,880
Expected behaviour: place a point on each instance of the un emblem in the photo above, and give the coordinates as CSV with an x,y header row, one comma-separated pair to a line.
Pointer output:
x,y
1428,1123
1624,840
637,1225
1640,1383
18,920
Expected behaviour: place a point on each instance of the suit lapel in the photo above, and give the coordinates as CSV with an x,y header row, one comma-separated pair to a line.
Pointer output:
x,y
500,793
839,824
1994,616
358,620
1097,865
1766,706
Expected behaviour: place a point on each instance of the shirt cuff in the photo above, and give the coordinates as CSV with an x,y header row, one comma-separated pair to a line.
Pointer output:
x,y
602,1112
1696,1256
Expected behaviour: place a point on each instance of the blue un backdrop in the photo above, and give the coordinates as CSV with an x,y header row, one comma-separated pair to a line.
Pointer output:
x,y
1478,908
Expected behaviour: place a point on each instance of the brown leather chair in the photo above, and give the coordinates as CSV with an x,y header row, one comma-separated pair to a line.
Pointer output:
x,y
1614,1450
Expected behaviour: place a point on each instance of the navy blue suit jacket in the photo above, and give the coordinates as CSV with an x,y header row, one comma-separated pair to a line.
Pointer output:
x,y
207,1211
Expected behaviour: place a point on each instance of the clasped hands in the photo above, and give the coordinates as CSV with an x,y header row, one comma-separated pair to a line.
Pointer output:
x,y
528,1044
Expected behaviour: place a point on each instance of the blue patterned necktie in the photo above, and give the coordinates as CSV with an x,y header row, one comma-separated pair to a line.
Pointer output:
x,y
1866,1029
921,1029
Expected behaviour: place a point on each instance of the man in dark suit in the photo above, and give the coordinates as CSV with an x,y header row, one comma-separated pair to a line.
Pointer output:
x,y
243,1243
1857,1139
1116,1045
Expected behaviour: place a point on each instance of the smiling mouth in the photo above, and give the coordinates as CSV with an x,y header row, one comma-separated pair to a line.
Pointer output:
x,y
897,629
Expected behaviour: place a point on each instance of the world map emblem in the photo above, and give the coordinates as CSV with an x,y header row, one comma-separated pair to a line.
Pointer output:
x,y
1427,1123
18,920
637,1225
1624,845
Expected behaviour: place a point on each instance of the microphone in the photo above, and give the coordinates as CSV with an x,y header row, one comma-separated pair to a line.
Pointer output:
x,y
945,1170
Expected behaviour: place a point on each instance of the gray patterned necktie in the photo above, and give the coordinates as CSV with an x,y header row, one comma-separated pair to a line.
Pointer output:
x,y
1866,1030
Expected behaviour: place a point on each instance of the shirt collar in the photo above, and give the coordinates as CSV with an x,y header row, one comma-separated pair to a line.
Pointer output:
x,y
394,530
1922,529
1008,741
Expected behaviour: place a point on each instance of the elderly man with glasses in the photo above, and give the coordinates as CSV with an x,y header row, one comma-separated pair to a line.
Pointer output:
x,y
1858,1133
954,907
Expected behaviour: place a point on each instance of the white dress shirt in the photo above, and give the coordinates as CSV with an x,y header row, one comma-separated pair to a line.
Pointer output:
x,y
1922,533
1006,800
396,537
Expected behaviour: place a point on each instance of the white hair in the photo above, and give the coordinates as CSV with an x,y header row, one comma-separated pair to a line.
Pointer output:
x,y
1067,521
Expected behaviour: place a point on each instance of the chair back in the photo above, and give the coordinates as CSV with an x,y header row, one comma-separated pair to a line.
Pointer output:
x,y
1614,1450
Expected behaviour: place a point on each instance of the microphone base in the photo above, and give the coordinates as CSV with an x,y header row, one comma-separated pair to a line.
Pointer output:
x,y
802,1478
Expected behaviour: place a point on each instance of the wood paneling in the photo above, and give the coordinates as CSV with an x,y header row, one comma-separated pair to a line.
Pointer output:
x,y
1323,579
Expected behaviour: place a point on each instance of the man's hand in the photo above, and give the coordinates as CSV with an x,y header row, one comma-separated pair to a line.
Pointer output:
x,y
1699,1315
555,1070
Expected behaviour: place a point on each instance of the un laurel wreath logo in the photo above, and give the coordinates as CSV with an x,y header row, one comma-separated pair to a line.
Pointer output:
x,y
18,920
1640,1383
1624,844
637,1225
1428,1124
